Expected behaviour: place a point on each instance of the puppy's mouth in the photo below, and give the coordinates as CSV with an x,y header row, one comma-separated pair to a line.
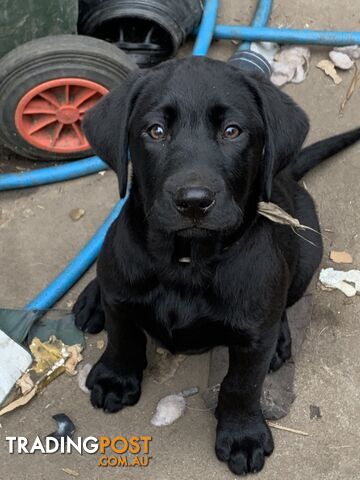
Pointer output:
x,y
194,231
204,230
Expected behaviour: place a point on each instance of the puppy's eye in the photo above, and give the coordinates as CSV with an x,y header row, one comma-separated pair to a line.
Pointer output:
x,y
157,132
231,132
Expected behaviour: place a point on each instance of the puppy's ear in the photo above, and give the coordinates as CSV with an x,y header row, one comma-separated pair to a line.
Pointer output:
x,y
286,126
106,126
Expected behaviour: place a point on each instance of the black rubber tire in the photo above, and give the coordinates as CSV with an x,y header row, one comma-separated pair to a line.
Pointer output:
x,y
49,58
176,19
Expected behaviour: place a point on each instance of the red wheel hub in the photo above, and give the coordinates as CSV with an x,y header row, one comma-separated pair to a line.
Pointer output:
x,y
49,115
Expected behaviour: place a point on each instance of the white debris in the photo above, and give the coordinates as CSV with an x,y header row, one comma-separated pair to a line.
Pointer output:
x,y
291,64
347,282
341,60
14,361
267,49
82,376
169,409
353,51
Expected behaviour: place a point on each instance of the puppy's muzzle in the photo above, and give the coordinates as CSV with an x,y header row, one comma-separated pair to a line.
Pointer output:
x,y
194,202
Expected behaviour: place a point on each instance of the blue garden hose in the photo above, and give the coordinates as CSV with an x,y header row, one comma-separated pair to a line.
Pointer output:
x,y
285,35
58,173
260,19
206,29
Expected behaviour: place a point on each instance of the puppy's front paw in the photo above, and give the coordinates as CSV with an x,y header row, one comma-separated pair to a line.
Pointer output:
x,y
243,444
111,390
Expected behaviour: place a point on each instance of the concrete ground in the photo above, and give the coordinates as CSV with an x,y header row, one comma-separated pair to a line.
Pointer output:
x,y
38,238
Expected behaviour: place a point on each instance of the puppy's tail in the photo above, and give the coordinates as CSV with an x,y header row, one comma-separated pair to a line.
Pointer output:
x,y
314,154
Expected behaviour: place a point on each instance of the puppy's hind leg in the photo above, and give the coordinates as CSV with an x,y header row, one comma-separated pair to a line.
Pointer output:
x,y
283,347
88,311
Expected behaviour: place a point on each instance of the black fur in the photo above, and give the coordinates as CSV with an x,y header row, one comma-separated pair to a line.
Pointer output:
x,y
319,151
244,271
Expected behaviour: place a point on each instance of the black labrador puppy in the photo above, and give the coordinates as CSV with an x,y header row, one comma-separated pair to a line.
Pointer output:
x,y
189,260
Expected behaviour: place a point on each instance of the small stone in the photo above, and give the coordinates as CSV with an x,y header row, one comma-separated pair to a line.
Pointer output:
x,y
315,412
341,60
28,213
76,214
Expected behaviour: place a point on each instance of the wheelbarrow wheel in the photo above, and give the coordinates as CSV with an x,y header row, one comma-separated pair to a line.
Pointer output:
x,y
47,85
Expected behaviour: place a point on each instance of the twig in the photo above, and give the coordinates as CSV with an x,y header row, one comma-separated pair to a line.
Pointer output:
x,y
342,446
287,429
351,89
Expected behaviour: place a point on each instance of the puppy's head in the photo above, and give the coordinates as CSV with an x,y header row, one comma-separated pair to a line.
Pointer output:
x,y
203,139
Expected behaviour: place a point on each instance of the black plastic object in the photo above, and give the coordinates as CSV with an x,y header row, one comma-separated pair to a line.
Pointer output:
x,y
25,20
149,30
16,323
21,325
251,62
65,429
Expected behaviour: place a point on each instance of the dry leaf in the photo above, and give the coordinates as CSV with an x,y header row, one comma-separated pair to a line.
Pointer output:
x,y
329,68
73,473
76,214
340,257
100,344
19,402
74,359
25,383
276,214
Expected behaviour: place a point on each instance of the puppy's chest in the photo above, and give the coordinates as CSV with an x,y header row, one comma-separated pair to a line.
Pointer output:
x,y
192,321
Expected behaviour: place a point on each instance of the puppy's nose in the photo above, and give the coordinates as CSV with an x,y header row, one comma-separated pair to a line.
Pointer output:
x,y
194,201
